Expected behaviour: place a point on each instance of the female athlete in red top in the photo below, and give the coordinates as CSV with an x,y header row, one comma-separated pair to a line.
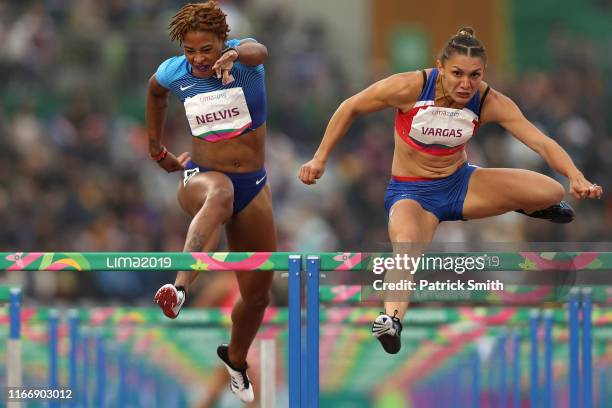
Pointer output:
x,y
438,111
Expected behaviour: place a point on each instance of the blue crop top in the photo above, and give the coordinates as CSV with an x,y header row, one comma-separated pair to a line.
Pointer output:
x,y
216,111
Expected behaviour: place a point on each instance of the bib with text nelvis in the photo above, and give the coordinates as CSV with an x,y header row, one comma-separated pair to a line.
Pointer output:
x,y
218,115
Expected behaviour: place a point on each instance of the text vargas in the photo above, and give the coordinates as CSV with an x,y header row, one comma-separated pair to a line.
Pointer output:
x,y
442,132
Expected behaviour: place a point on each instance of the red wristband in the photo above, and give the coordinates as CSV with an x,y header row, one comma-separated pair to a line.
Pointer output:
x,y
159,156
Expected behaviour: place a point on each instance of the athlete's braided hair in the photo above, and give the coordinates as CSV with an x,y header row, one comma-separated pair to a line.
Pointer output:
x,y
464,43
199,17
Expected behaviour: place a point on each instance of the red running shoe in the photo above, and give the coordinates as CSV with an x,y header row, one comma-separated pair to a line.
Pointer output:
x,y
170,300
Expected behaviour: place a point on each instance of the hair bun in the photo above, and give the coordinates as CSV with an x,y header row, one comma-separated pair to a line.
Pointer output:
x,y
466,31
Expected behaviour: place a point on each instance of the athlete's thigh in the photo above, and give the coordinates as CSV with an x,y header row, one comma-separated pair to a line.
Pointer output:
x,y
411,224
192,195
411,229
497,191
253,230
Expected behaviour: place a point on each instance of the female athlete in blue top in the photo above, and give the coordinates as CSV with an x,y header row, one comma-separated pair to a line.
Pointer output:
x,y
438,111
221,84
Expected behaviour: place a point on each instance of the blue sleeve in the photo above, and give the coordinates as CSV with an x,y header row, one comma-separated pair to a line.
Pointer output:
x,y
169,70
234,42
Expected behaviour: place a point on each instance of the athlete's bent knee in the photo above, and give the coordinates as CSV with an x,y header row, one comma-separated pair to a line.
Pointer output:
x,y
554,192
558,192
221,202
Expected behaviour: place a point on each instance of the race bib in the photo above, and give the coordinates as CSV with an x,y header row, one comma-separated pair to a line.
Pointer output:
x,y
443,126
218,115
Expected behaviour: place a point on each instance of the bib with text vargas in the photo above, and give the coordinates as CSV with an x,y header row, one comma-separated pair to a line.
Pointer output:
x,y
218,115
434,125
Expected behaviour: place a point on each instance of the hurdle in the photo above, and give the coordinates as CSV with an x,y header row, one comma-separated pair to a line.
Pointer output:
x,y
148,318
580,336
303,357
14,369
98,358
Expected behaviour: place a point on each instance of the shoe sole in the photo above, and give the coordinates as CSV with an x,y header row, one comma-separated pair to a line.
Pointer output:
x,y
563,217
167,300
390,348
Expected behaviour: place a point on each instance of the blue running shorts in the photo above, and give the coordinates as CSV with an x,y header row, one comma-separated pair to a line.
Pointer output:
x,y
246,185
442,197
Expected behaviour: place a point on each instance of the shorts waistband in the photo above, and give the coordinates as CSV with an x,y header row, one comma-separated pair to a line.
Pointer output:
x,y
410,178
191,165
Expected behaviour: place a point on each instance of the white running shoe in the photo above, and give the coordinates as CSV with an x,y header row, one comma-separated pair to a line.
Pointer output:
x,y
170,300
239,380
387,330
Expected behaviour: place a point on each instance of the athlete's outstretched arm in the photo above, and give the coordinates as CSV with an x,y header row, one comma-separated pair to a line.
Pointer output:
x,y
249,52
501,109
157,105
252,53
395,91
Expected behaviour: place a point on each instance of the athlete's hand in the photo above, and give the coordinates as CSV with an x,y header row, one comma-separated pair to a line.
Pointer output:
x,y
172,163
312,171
581,188
224,65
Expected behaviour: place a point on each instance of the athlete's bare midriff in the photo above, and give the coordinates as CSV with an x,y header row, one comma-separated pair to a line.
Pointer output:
x,y
242,154
409,162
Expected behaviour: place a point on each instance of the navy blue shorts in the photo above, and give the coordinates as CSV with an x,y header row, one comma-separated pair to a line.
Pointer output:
x,y
442,197
246,185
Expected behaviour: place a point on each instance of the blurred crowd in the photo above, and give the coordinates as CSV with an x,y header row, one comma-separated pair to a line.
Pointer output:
x,y
74,171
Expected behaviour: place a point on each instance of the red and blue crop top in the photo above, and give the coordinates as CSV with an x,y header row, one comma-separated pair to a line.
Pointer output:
x,y
437,130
